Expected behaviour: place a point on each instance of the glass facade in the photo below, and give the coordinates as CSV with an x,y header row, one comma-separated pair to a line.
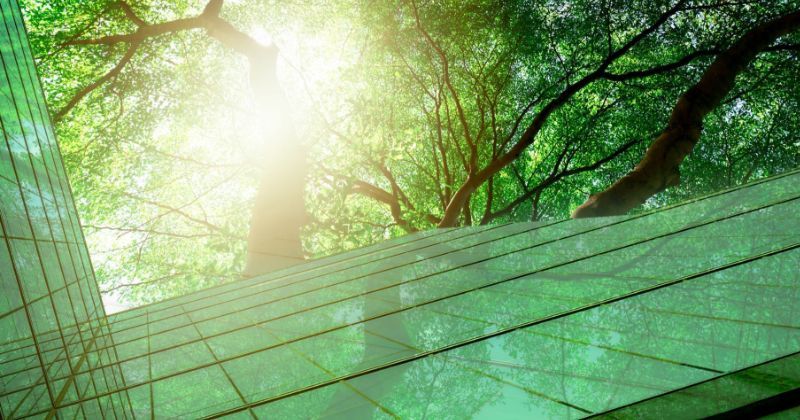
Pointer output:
x,y
52,323
687,311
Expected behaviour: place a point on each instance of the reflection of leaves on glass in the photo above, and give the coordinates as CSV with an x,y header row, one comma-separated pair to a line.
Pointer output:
x,y
547,318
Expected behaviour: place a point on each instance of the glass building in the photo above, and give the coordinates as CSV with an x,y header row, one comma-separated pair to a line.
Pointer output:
x,y
687,311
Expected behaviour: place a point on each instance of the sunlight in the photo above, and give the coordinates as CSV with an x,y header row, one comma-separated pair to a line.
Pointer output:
x,y
343,209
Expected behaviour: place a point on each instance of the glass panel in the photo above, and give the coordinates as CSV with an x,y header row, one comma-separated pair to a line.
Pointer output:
x,y
194,394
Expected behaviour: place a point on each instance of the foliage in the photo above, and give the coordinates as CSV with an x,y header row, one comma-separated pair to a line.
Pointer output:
x,y
401,104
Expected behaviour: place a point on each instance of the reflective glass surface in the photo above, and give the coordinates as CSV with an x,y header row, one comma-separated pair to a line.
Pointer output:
x,y
686,311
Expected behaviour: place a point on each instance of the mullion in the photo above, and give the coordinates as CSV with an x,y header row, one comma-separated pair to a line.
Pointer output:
x,y
327,371
216,360
639,215
58,350
25,135
523,325
305,267
71,381
484,337
150,370
49,142
41,342
88,321
590,230
479,372
8,243
689,342
67,195
585,343
416,279
253,306
265,303
55,150
689,227
283,276
356,262
25,398
685,389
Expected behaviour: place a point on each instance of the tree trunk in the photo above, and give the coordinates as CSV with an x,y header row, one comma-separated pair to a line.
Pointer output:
x,y
659,167
279,211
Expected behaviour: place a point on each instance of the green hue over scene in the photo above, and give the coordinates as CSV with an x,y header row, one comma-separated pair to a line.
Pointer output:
x,y
685,311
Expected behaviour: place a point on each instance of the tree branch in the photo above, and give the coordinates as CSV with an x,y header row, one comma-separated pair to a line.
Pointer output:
x,y
261,57
130,14
473,181
368,190
555,177
94,85
658,169
638,74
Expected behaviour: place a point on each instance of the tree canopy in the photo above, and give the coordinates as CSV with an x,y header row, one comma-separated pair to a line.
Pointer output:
x,y
412,114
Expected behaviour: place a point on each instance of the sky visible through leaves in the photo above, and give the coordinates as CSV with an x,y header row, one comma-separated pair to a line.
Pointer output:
x,y
396,105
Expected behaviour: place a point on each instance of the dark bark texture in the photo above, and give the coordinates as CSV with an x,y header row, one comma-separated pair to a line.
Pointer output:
x,y
659,169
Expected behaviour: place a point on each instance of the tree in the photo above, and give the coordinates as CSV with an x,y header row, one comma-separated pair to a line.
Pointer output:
x,y
659,167
416,114
273,241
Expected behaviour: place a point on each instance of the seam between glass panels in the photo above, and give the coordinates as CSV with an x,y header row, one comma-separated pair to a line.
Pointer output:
x,y
27,395
53,143
70,380
685,228
266,279
585,343
36,134
523,325
279,274
478,244
446,359
307,291
77,327
322,368
645,213
12,311
216,362
720,318
536,393
86,278
150,372
370,400
191,321
634,217
59,351
506,330
27,213
307,309
50,241
610,413
289,275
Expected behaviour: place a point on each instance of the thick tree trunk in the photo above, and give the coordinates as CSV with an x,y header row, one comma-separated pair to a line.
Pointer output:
x,y
659,167
279,211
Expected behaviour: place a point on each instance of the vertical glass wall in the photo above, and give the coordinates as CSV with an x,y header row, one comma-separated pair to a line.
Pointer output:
x,y
51,315
691,310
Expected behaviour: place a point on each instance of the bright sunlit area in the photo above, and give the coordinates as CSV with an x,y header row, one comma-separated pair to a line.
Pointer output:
x,y
201,137
410,209
168,155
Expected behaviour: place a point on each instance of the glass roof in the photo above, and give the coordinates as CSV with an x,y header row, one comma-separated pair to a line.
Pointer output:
x,y
565,319
692,309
